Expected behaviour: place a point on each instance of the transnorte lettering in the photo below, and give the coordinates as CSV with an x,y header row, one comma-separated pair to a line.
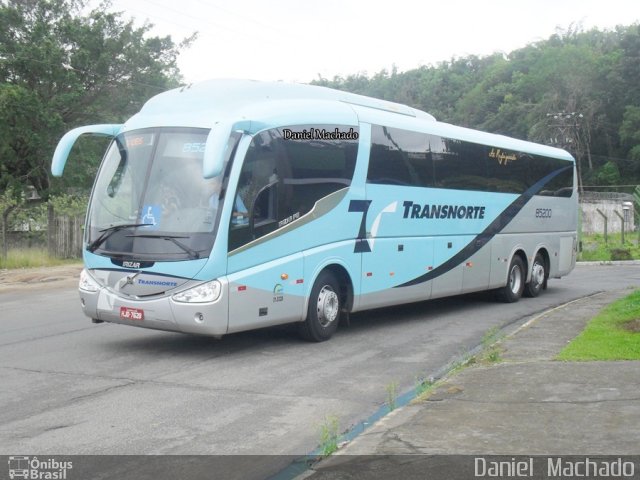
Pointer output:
x,y
417,210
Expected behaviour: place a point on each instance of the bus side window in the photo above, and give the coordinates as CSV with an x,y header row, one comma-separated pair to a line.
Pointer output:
x,y
399,157
282,178
253,212
318,167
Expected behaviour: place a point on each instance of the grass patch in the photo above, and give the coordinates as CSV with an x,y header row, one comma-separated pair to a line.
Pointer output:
x,y
32,258
613,334
424,389
423,385
492,350
428,387
595,249
392,395
329,435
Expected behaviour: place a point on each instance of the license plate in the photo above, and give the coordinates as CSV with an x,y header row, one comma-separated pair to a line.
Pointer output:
x,y
128,313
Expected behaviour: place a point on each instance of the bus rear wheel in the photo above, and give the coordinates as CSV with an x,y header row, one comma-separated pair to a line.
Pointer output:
x,y
324,309
512,291
538,277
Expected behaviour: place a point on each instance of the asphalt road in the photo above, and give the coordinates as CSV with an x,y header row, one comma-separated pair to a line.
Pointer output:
x,y
71,387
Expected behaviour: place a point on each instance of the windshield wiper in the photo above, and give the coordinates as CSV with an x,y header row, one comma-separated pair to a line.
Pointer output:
x,y
107,232
193,255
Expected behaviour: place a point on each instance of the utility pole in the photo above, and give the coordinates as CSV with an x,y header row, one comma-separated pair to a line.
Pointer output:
x,y
567,125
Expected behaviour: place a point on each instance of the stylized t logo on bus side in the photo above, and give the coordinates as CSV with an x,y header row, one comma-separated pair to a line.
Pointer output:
x,y
361,206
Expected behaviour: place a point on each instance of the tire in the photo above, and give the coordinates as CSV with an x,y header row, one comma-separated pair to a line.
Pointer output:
x,y
538,276
325,305
516,276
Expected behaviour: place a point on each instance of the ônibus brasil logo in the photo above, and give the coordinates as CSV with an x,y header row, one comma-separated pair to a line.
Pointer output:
x,y
37,469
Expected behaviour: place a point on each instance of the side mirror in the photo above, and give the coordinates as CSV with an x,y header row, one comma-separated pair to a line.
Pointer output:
x,y
69,139
215,149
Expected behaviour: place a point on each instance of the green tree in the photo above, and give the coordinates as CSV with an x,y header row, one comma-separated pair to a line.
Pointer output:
x,y
10,201
591,76
630,131
608,174
60,68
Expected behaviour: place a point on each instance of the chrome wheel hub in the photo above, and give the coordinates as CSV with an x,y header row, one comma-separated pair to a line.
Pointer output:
x,y
515,279
537,274
328,305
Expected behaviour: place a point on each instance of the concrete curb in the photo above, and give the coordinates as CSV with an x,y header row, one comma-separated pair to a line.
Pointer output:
x,y
609,262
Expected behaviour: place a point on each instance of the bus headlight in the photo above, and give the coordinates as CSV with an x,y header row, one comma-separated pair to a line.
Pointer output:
x,y
204,293
87,283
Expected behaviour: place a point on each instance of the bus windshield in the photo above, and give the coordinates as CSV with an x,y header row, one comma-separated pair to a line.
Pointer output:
x,y
151,200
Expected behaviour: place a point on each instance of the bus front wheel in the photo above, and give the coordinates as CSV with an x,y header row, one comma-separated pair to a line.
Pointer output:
x,y
516,276
324,309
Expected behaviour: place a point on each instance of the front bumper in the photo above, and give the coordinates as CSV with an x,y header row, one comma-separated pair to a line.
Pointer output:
x,y
160,312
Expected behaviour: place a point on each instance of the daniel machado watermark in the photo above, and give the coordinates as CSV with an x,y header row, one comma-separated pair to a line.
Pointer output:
x,y
556,467
38,468
406,467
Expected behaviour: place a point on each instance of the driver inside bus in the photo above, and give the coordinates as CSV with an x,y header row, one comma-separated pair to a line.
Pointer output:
x,y
240,215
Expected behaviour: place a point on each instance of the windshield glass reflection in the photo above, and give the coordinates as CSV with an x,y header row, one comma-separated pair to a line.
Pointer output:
x,y
151,182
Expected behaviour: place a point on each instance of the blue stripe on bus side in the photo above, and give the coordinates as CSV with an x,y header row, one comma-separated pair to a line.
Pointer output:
x,y
492,229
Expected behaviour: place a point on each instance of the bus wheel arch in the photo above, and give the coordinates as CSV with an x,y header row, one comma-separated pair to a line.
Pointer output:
x,y
539,274
346,286
516,278
330,299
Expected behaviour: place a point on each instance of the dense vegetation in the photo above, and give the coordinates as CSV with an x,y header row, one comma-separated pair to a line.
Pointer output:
x,y
589,76
62,66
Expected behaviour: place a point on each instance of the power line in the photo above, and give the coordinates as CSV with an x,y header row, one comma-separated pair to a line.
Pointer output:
x,y
173,21
245,17
204,32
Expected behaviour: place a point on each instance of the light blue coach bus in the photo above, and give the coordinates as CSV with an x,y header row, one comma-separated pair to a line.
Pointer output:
x,y
231,205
